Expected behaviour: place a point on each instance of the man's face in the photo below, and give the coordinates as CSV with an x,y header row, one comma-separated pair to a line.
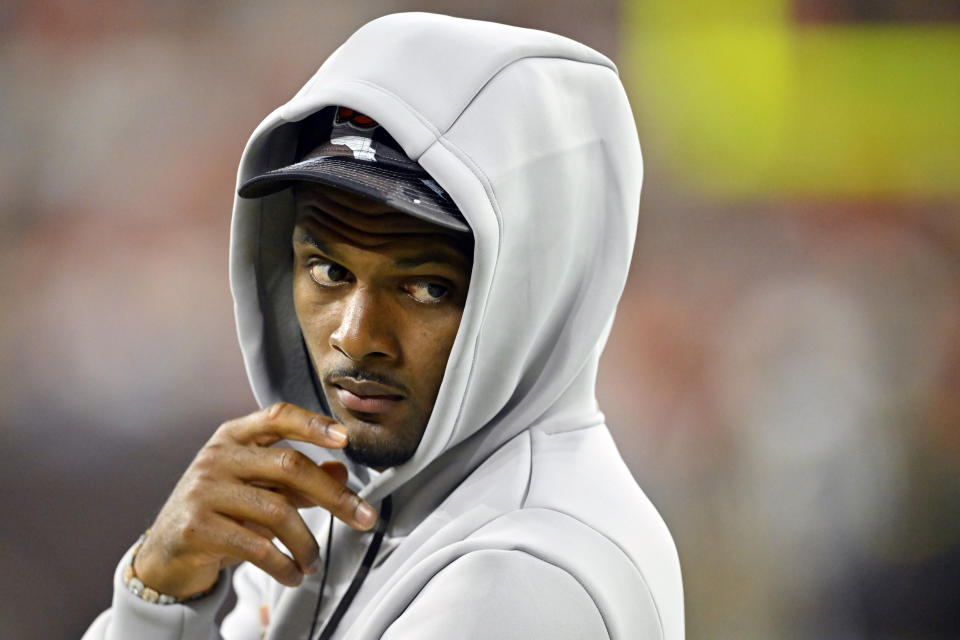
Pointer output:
x,y
378,295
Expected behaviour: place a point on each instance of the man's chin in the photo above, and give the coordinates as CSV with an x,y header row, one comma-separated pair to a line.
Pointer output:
x,y
377,454
376,459
375,442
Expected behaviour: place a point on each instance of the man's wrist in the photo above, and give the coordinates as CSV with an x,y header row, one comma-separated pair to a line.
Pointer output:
x,y
148,594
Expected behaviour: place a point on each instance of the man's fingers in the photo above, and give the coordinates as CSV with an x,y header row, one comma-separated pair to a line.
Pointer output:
x,y
336,470
294,498
236,541
287,421
270,510
292,469
258,529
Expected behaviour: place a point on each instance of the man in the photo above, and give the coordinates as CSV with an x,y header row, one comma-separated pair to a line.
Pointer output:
x,y
427,253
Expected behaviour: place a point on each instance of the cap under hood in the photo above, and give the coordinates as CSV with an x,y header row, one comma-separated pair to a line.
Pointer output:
x,y
531,135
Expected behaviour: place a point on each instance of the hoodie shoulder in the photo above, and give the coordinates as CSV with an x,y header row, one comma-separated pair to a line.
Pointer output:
x,y
600,512
554,519
500,593
583,513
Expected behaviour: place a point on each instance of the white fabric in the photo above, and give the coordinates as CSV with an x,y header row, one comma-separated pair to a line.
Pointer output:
x,y
516,517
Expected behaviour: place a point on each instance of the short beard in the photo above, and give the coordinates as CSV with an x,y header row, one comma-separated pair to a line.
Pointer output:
x,y
379,453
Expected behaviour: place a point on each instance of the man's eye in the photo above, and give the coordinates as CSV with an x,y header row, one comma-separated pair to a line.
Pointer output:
x,y
328,274
429,292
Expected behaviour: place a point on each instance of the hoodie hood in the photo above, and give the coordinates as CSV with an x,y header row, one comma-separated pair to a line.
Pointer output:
x,y
532,137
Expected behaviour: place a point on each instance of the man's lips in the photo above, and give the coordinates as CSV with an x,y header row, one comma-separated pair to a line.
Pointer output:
x,y
365,396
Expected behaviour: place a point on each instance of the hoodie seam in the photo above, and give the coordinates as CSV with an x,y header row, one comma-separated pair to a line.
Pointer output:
x,y
601,422
436,130
183,623
495,206
526,490
626,557
263,299
409,107
527,553
512,62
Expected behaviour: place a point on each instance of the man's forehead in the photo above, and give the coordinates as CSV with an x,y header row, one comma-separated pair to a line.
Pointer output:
x,y
363,221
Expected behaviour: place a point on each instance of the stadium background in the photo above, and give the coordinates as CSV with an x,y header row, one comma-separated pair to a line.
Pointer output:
x,y
784,374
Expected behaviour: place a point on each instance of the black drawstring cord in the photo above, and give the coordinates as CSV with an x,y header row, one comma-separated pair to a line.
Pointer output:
x,y
358,578
323,581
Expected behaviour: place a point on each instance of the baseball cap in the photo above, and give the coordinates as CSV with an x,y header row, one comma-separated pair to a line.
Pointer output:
x,y
341,147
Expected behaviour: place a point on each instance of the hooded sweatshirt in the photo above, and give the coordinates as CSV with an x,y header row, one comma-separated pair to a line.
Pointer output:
x,y
516,517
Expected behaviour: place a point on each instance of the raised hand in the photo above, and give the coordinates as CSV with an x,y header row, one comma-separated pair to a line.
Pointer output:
x,y
239,493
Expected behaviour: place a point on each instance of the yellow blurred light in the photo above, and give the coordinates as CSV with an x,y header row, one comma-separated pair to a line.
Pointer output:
x,y
749,103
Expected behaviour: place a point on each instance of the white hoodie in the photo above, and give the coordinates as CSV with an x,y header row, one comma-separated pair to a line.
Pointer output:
x,y
516,517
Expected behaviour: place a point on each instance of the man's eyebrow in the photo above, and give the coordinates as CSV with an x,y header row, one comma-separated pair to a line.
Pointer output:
x,y
454,258
302,235
427,257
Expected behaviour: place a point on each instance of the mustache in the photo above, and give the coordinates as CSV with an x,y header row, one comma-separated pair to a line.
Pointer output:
x,y
364,374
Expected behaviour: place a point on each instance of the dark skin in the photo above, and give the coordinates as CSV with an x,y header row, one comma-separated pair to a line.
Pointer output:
x,y
379,296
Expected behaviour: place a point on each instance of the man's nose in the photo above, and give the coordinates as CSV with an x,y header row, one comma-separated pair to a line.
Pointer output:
x,y
366,328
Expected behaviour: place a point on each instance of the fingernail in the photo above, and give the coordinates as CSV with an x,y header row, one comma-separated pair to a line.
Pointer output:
x,y
337,433
315,566
365,514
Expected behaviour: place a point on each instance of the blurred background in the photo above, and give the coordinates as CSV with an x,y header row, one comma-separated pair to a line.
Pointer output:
x,y
784,374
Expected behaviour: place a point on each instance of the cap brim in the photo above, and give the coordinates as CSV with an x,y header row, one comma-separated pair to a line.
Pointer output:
x,y
403,190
